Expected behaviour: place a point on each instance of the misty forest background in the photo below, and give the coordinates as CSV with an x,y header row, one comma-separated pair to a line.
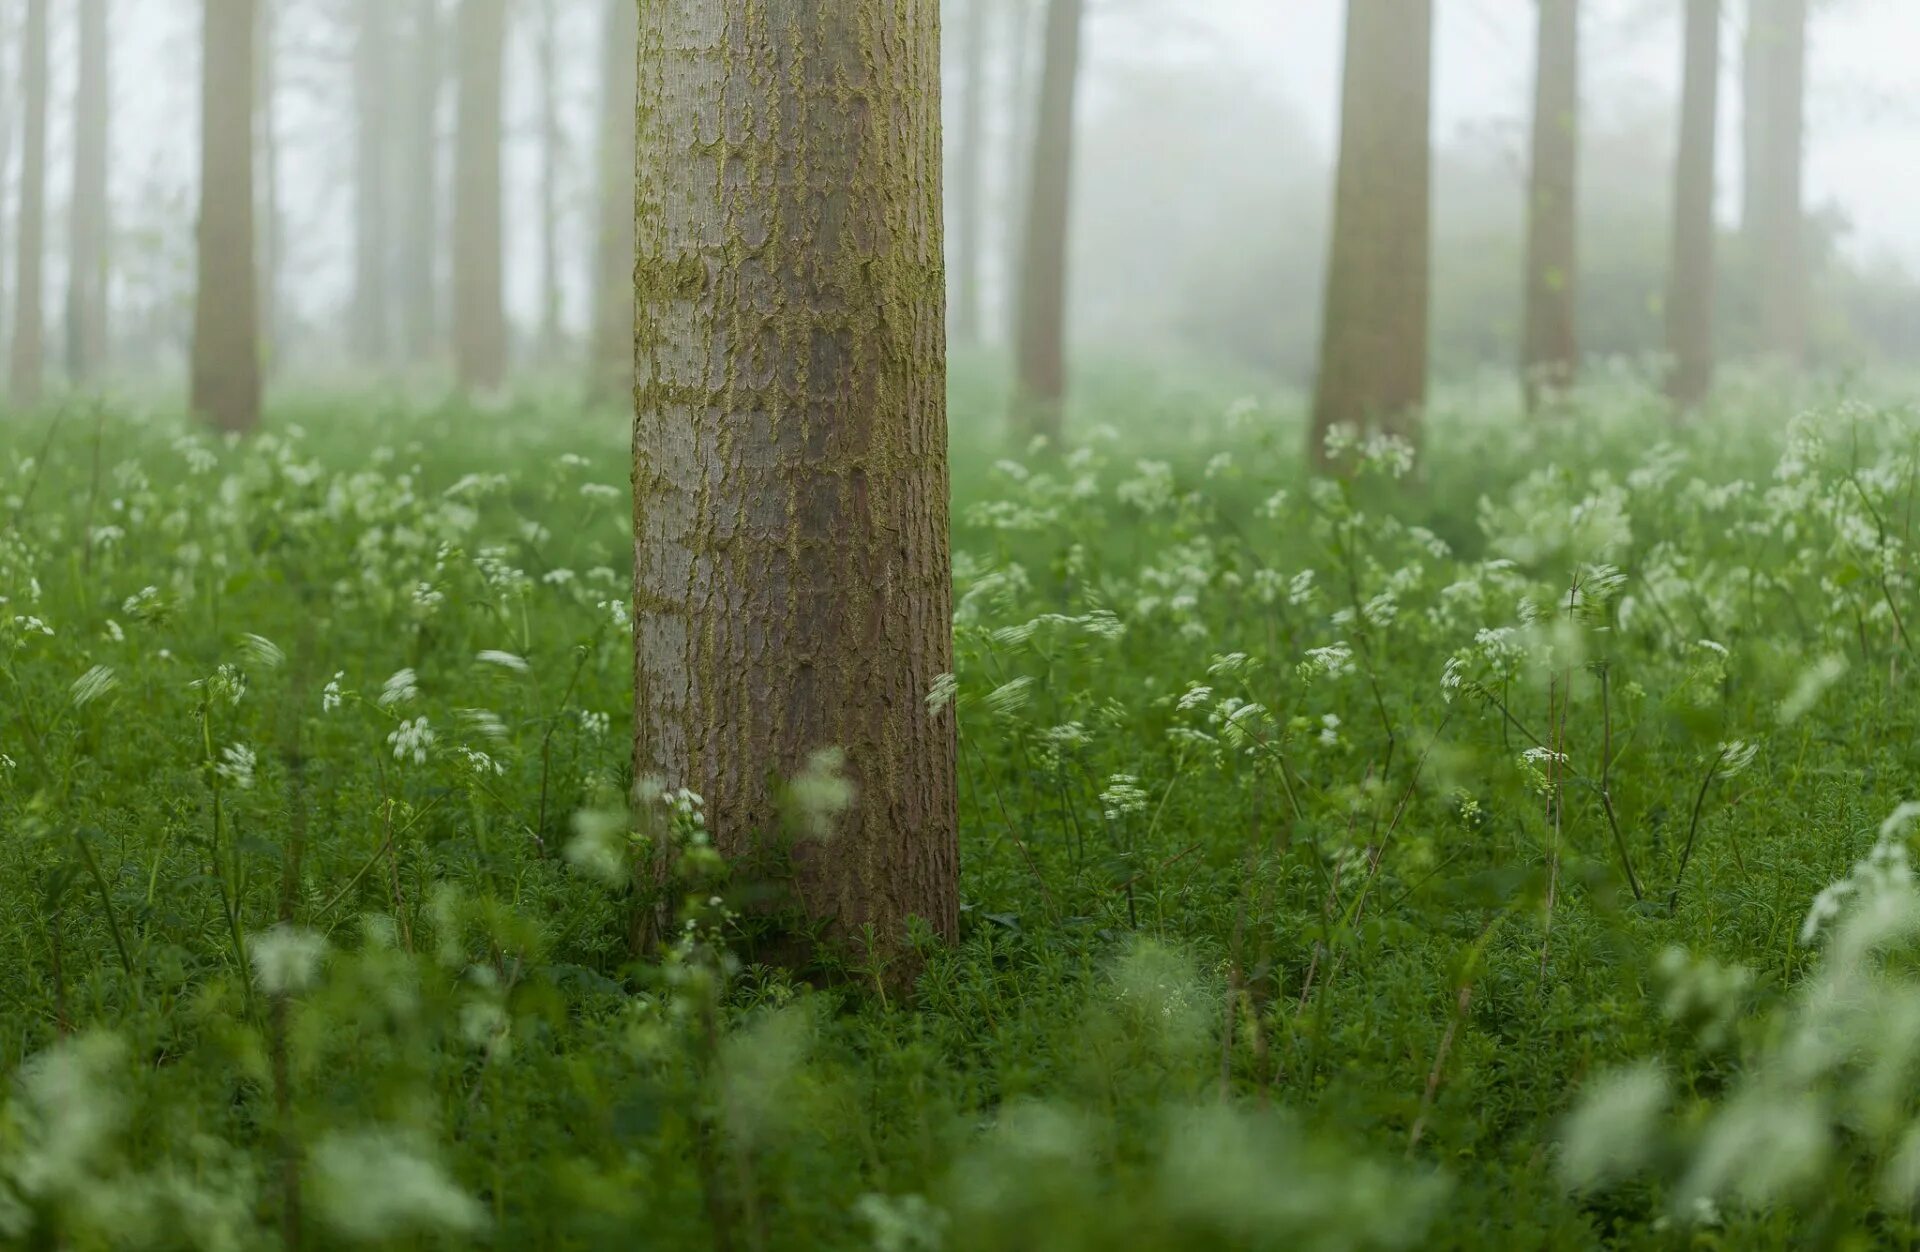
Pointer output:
x,y
597,650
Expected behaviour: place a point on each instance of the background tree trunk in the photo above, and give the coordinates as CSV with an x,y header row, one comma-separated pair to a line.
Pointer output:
x,y
271,224
1040,380
87,242
374,32
479,315
792,584
552,153
1753,114
1022,96
418,99
969,173
613,264
1551,353
1690,273
28,327
1373,349
1779,225
226,334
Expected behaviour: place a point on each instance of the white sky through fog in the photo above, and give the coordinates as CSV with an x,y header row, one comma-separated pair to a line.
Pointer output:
x,y
1864,125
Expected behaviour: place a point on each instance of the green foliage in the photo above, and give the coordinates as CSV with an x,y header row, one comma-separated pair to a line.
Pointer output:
x,y
1421,858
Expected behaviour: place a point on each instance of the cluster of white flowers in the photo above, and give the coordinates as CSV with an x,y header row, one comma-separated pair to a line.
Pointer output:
x,y
414,738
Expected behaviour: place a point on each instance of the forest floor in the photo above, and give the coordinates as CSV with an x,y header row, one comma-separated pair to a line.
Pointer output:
x,y
1507,852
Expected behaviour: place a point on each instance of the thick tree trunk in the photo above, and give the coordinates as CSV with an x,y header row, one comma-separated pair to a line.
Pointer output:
x,y
1778,232
479,315
1040,378
1690,273
87,228
1022,95
28,327
1551,353
613,263
272,227
1753,113
226,343
969,175
552,145
418,99
1373,350
9,114
370,333
792,584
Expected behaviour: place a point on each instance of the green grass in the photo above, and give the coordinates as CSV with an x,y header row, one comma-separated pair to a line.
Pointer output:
x,y
1274,933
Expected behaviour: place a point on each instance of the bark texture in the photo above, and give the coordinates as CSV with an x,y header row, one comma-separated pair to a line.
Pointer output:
x,y
792,580
1551,352
613,262
87,223
1040,380
419,100
1373,348
29,333
226,342
969,172
1690,272
479,314
371,333
1777,38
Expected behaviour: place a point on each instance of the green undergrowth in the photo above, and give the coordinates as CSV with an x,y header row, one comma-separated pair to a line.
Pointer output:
x,y
1427,856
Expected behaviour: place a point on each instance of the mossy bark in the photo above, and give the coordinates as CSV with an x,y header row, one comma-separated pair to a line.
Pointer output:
x,y
1690,271
87,208
1373,348
1550,355
226,331
792,580
613,264
1040,375
479,311
29,329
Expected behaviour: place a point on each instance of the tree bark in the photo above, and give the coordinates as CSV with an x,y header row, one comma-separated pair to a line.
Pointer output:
x,y
28,326
792,580
226,333
969,173
272,227
87,228
1551,352
1779,225
613,264
1040,381
1753,114
479,315
1373,349
370,333
418,98
1021,99
1690,273
552,143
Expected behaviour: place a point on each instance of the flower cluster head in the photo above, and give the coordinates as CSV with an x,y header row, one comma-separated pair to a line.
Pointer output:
x,y
1122,796
414,738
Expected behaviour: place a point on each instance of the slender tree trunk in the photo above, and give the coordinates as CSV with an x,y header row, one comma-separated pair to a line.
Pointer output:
x,y
790,527
1551,353
1040,380
1022,95
87,229
28,328
970,173
552,144
267,208
418,98
1691,270
226,333
479,315
613,264
1779,234
9,112
1373,350
371,333
1753,114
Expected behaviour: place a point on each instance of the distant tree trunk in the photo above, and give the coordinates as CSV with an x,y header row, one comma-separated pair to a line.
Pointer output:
x,y
87,230
479,315
226,333
790,480
1040,381
1753,113
1690,273
9,110
613,264
267,209
1022,95
552,143
1373,349
418,101
28,328
1551,353
1779,227
969,173
373,44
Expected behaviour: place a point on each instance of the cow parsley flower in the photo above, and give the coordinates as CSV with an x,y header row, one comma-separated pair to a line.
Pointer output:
x,y
286,959
237,765
414,739
402,688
